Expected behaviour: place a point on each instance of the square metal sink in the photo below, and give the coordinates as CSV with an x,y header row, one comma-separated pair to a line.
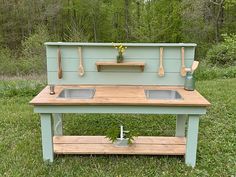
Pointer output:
x,y
162,95
82,93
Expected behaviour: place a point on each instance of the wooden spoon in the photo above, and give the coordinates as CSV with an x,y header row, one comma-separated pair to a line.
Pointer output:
x,y
183,71
194,66
81,68
59,73
161,68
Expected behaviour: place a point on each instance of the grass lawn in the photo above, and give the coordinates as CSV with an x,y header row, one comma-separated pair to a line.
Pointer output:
x,y
20,141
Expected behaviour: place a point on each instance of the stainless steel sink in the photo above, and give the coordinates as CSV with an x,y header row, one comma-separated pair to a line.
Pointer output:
x,y
162,94
81,93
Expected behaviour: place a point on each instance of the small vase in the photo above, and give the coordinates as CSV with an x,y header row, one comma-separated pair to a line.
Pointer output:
x,y
189,83
121,142
120,58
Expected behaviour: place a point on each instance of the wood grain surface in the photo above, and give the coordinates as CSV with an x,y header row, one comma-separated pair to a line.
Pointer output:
x,y
146,145
120,95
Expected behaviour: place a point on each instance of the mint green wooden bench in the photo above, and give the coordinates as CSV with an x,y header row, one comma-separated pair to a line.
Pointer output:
x,y
51,115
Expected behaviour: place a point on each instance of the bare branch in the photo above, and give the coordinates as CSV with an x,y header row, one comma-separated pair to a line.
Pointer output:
x,y
217,3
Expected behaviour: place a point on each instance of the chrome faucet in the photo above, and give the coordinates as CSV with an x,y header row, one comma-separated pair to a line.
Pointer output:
x,y
52,89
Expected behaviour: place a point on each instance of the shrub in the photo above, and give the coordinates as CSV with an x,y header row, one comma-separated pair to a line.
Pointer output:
x,y
31,60
205,72
223,54
34,44
33,54
20,88
7,62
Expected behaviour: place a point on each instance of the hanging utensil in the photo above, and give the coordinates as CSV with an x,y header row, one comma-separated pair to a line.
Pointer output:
x,y
183,71
161,68
81,68
59,73
194,66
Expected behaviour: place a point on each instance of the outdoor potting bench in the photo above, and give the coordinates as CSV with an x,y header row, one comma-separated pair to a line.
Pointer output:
x,y
119,88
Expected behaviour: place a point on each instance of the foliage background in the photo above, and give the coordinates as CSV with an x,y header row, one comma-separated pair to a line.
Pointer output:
x,y
25,25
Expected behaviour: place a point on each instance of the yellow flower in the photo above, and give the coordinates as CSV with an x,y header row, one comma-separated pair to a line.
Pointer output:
x,y
120,48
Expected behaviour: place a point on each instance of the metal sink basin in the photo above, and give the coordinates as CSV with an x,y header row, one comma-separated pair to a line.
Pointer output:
x,y
83,93
162,94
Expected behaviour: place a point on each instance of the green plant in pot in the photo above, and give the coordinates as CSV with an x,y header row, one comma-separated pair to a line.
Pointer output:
x,y
121,50
120,137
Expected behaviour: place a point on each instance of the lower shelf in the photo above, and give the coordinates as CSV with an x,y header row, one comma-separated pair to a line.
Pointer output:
x,y
142,145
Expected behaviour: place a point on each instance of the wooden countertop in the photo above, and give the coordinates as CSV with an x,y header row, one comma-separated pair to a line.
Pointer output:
x,y
120,95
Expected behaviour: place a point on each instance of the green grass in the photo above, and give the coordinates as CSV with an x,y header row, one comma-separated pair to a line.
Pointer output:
x,y
205,72
20,141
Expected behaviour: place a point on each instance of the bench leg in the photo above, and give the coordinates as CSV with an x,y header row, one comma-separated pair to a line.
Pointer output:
x,y
192,136
180,125
47,135
57,124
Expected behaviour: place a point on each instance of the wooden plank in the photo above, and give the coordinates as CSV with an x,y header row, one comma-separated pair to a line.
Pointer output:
x,y
115,64
103,140
192,136
126,44
139,149
118,75
180,125
47,137
151,65
67,108
97,52
100,145
57,124
118,78
121,95
106,63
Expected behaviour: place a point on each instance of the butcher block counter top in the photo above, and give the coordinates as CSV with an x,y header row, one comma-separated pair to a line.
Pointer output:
x,y
120,95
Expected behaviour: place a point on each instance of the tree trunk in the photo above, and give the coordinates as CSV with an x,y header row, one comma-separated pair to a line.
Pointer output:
x,y
138,12
94,28
218,19
149,20
127,30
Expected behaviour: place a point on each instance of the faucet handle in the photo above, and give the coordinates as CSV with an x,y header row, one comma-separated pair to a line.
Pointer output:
x,y
52,89
125,132
187,69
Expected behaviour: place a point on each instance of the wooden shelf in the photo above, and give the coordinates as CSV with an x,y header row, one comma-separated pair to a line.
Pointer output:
x,y
130,64
142,145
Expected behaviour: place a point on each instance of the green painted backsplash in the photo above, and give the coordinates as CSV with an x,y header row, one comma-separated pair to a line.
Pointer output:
x,y
118,75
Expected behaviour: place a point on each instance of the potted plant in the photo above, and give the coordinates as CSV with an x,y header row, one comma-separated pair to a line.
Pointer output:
x,y
121,49
120,137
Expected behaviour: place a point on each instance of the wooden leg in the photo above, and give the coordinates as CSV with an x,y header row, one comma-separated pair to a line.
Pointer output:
x,y
47,135
57,124
192,135
180,125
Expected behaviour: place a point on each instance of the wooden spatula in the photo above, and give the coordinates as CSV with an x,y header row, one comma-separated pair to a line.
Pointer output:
x,y
194,66
161,68
81,68
183,71
59,73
